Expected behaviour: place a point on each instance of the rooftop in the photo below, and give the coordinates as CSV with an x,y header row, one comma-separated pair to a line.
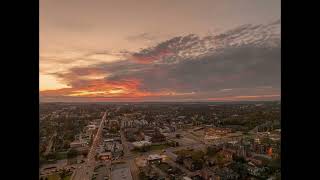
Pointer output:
x,y
121,174
154,156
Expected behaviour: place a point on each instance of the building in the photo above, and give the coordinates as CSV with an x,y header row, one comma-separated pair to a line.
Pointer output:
x,y
140,144
158,137
253,161
227,156
105,155
154,158
207,174
226,173
77,144
92,127
149,131
121,174
188,163
186,178
216,133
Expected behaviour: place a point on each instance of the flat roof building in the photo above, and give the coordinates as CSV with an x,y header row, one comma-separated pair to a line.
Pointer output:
x,y
121,174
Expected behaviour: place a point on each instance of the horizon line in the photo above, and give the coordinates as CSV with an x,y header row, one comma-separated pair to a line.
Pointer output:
x,y
158,101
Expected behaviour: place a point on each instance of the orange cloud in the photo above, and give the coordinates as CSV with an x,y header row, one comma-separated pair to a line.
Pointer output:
x,y
103,89
99,89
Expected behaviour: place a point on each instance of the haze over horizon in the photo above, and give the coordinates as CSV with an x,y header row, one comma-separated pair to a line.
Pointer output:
x,y
131,51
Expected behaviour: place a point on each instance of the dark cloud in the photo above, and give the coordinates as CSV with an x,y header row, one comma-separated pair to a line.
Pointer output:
x,y
247,57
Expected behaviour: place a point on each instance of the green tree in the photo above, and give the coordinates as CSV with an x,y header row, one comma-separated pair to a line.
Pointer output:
x,y
197,155
72,153
220,159
64,174
211,151
51,156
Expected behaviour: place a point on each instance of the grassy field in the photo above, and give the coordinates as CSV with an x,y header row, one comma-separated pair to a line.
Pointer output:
x,y
151,148
67,178
61,155
56,177
53,177
158,147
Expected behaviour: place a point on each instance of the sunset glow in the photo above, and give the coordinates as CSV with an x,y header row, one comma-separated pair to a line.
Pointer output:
x,y
159,50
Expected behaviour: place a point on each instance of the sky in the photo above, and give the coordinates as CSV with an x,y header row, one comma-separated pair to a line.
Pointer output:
x,y
159,50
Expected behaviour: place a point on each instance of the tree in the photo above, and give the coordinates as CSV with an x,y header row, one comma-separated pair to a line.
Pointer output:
x,y
197,155
211,151
51,156
220,159
180,159
72,153
66,144
239,159
241,169
64,174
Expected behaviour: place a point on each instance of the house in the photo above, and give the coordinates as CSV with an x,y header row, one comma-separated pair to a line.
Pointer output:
x,y
105,155
149,131
154,158
158,137
226,173
186,178
207,174
121,174
227,154
77,144
140,144
254,170
188,163
254,161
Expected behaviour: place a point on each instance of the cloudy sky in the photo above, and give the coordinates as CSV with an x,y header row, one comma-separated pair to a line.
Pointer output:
x,y
160,50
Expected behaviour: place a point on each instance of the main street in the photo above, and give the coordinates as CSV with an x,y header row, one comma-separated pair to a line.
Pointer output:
x,y
85,171
48,149
129,157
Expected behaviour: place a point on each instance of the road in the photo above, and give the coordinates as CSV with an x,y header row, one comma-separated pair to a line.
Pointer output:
x,y
48,149
129,157
86,170
126,149
102,171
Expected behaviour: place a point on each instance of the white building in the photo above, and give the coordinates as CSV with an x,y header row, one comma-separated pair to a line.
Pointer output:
x,y
140,144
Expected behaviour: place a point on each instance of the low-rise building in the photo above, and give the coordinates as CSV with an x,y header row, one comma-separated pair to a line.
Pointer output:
x,y
105,155
121,174
140,144
154,158
77,144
